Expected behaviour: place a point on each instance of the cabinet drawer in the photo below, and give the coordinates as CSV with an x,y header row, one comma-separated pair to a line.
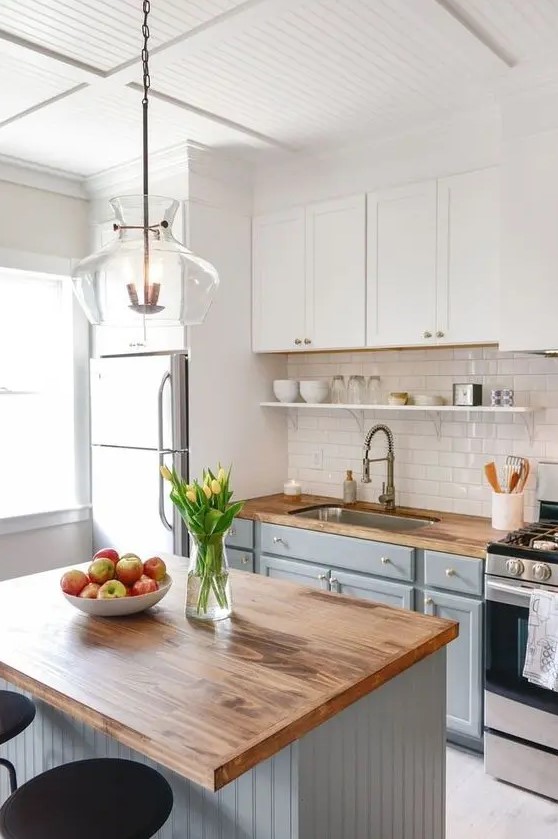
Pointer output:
x,y
241,534
241,560
454,573
385,560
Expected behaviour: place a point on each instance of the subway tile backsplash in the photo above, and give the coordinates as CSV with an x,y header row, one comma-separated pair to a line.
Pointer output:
x,y
440,474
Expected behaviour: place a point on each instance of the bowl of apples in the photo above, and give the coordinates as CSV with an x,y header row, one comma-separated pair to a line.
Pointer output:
x,y
115,585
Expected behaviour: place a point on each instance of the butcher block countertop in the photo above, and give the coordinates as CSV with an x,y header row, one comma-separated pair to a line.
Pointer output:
x,y
209,701
455,534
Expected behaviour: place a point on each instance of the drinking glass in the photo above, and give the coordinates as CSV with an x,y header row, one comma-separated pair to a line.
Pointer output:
x,y
338,391
373,390
356,390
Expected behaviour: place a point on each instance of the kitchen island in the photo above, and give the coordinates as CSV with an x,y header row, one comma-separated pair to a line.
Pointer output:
x,y
307,715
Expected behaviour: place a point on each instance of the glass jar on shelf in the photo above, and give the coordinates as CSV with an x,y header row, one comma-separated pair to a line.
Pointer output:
x,y
356,390
338,390
373,394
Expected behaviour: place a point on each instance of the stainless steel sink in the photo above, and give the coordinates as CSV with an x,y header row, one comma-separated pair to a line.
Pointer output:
x,y
362,518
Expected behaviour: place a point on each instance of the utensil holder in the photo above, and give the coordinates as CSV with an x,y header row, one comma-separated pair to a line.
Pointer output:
x,y
507,510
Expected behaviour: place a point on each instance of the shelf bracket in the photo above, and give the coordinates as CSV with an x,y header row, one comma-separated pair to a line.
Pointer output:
x,y
358,417
529,423
437,420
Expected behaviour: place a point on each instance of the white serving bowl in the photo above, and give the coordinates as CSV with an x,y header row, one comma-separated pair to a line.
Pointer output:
x,y
286,390
314,391
120,606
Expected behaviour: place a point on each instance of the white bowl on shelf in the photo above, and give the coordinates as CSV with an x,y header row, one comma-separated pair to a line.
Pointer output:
x,y
120,606
314,391
426,399
286,390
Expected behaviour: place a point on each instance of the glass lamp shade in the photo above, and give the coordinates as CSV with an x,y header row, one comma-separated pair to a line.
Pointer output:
x,y
113,286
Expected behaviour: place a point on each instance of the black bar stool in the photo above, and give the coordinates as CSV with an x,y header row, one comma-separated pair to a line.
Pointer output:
x,y
101,798
16,713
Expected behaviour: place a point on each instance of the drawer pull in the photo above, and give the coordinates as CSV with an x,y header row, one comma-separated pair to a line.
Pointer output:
x,y
278,541
386,560
322,576
450,572
428,601
244,560
232,531
298,341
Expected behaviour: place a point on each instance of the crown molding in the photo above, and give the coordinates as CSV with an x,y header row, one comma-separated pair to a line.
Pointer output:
x,y
21,172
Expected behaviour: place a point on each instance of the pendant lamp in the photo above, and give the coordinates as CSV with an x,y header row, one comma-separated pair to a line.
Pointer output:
x,y
145,276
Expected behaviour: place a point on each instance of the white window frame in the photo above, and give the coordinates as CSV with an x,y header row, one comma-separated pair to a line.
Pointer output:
x,y
61,268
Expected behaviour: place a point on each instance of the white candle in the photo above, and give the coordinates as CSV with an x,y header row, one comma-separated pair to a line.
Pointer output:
x,y
292,488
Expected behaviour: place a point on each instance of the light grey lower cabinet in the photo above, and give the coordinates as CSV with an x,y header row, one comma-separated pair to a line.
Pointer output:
x,y
382,591
464,660
304,573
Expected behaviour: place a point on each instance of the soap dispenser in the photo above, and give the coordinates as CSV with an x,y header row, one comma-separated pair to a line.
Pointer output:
x,y
349,488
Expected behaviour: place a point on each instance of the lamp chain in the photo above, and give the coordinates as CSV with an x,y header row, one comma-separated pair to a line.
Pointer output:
x,y
145,103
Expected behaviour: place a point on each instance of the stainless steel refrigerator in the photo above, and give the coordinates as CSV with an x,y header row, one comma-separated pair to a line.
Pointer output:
x,y
139,421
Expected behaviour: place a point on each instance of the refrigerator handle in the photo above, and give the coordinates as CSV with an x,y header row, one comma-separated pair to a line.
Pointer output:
x,y
166,378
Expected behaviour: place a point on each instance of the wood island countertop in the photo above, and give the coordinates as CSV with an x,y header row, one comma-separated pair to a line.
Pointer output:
x,y
452,533
209,701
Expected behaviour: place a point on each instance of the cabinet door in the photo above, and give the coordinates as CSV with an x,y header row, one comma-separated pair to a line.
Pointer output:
x,y
468,258
356,585
464,657
316,576
240,560
401,266
278,250
336,273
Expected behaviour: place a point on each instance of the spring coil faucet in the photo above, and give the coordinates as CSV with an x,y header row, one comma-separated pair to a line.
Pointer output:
x,y
387,497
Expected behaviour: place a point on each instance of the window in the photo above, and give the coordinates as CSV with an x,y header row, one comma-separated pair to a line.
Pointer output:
x,y
37,434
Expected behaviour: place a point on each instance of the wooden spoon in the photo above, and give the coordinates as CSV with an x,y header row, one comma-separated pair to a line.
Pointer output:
x,y
492,476
514,481
524,476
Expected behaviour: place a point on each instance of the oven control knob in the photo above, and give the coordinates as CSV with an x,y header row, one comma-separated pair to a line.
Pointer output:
x,y
541,571
514,567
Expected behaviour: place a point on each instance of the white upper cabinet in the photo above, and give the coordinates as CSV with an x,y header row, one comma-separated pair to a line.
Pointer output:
x,y
468,263
401,266
529,289
279,281
335,273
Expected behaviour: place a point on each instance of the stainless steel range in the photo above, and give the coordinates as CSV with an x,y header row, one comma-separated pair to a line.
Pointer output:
x,y
521,719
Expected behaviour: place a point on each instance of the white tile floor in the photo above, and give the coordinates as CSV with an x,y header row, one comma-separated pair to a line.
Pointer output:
x,y
479,807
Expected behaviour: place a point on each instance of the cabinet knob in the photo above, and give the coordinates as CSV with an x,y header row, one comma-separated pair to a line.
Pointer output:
x,y
137,344
427,334
232,531
322,576
333,581
277,540
439,334
307,341
450,572
298,342
386,560
428,601
244,560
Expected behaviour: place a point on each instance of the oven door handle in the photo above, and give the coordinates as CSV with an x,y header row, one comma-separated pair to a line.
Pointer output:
x,y
519,595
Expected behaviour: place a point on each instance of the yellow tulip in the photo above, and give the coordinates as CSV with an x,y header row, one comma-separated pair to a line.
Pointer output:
x,y
207,491
166,473
191,496
221,475
215,487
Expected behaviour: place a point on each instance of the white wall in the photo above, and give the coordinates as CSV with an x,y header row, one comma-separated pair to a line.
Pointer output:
x,y
462,143
439,474
45,548
41,222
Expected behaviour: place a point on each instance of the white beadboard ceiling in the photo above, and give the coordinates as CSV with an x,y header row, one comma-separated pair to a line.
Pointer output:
x,y
252,76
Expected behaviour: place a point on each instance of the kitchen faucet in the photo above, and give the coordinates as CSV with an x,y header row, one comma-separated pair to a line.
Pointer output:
x,y
387,498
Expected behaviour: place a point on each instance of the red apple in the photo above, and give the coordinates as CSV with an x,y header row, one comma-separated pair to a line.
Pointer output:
x,y
129,569
155,568
73,582
145,585
107,553
90,591
101,570
111,590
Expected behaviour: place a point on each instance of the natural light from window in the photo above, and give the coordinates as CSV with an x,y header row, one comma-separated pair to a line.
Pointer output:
x,y
37,457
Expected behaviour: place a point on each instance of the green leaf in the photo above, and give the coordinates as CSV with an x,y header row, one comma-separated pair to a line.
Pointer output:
x,y
212,521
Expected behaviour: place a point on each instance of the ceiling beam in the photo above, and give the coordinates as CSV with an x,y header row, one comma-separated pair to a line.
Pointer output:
x,y
465,19
46,58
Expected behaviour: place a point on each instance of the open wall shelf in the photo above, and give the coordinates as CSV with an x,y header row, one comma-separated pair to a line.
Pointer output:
x,y
436,411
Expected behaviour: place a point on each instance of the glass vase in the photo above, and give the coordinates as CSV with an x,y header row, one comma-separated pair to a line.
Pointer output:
x,y
208,588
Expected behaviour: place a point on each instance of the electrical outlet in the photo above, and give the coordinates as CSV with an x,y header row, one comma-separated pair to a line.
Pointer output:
x,y
318,458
